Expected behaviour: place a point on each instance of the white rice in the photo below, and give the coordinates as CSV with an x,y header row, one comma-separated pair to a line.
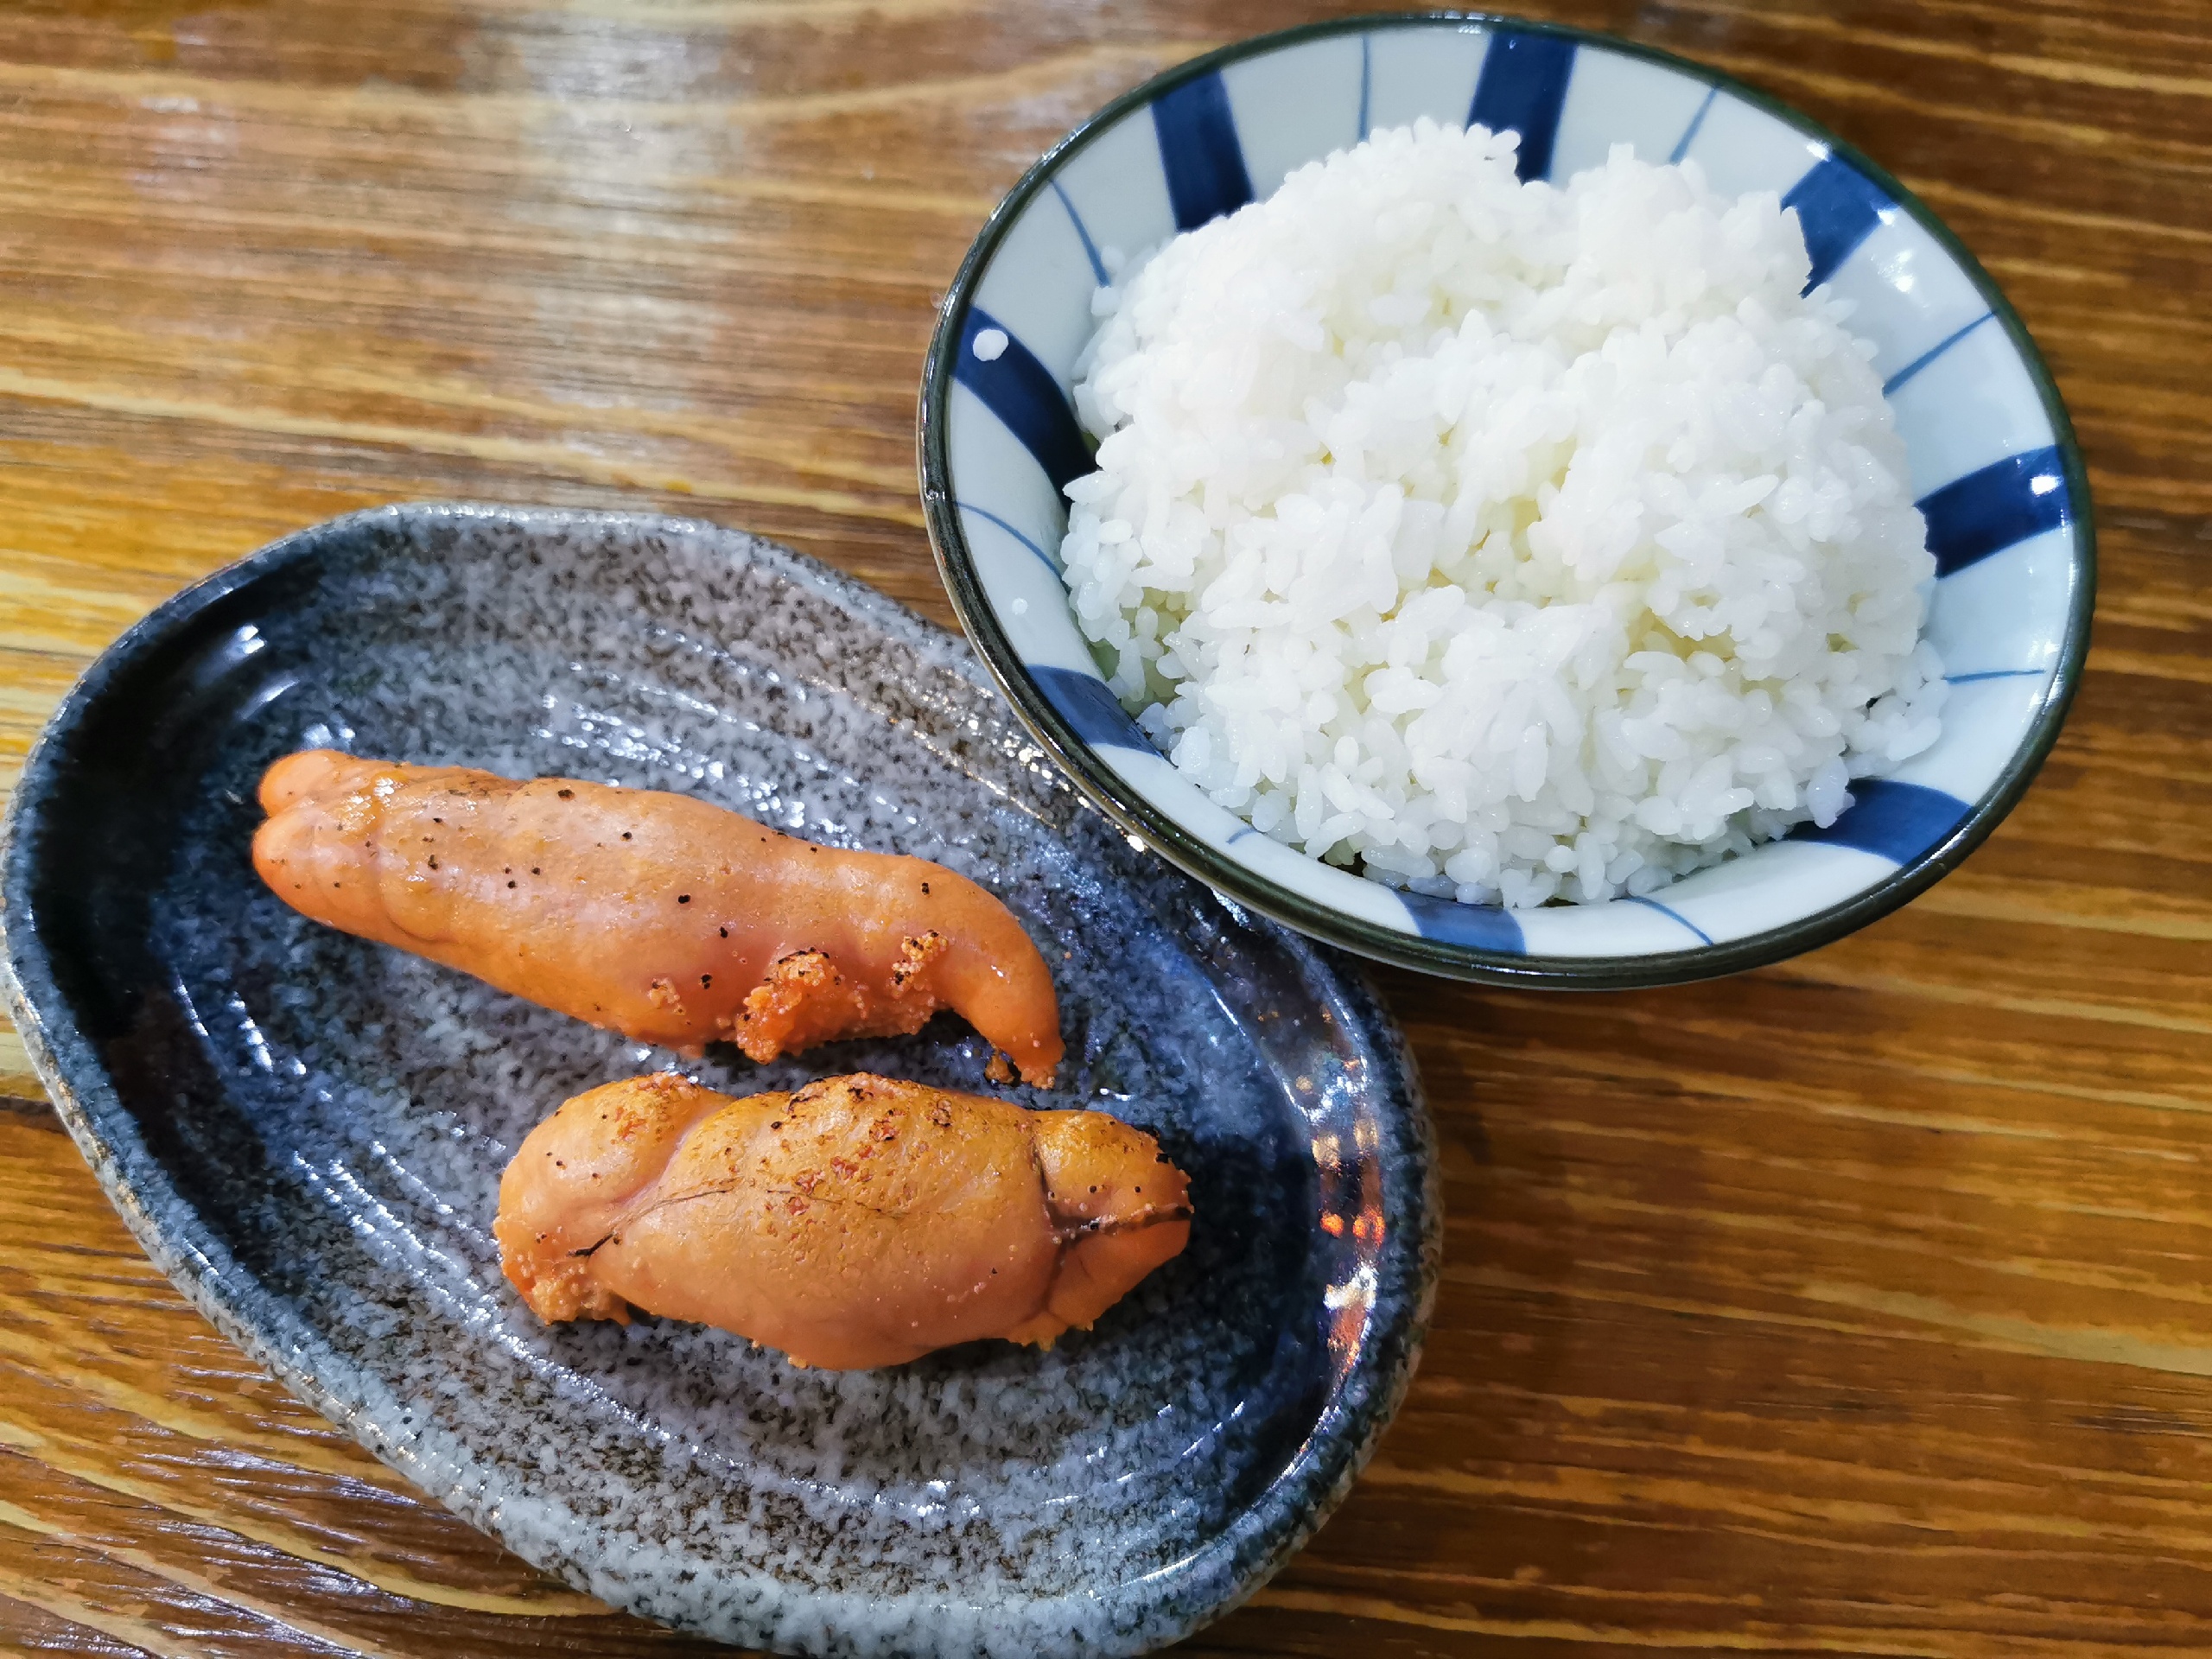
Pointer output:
x,y
1507,542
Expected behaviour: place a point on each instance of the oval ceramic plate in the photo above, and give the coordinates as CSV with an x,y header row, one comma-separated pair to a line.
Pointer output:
x,y
306,1131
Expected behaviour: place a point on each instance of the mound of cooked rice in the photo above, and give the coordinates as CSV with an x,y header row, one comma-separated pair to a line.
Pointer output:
x,y
1507,541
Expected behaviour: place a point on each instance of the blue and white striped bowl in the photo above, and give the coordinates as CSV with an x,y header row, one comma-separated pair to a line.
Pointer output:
x,y
1992,457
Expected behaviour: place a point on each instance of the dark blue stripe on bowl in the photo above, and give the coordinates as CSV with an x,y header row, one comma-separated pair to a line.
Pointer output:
x,y
1933,352
1085,702
1899,821
1199,150
1090,247
1674,915
1839,206
988,517
1690,133
1480,927
1021,391
1995,508
1523,84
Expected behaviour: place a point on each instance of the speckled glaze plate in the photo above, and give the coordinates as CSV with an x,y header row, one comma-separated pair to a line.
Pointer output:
x,y
306,1131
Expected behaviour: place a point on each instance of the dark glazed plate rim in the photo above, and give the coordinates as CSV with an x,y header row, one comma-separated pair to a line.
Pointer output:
x,y
948,539
1237,1560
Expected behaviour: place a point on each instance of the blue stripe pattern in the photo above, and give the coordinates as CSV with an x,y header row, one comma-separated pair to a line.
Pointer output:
x,y
1933,352
1690,133
1020,390
1089,709
1703,937
1995,508
1480,927
1090,248
1899,821
1200,153
1523,84
988,517
1839,206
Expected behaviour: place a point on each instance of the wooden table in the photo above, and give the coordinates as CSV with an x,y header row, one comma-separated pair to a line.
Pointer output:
x,y
1861,1306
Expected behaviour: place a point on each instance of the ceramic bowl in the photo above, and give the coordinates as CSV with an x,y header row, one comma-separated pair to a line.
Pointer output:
x,y
1994,468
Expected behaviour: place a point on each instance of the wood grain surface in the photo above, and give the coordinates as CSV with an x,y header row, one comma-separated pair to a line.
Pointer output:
x,y
1859,1305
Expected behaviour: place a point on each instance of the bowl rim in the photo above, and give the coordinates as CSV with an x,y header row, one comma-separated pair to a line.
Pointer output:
x,y
1140,819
